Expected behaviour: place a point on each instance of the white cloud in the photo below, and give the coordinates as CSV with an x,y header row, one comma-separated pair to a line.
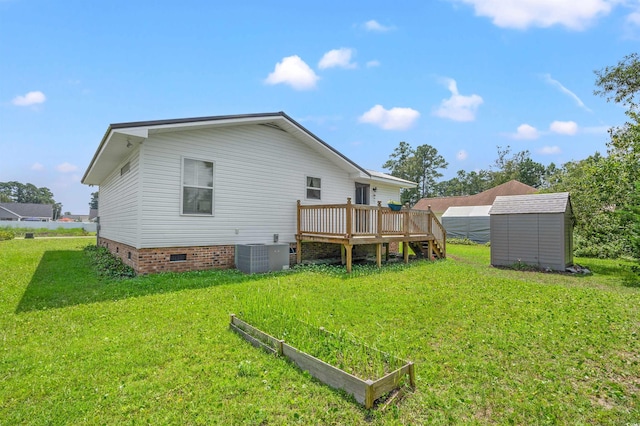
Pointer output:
x,y
564,127
295,72
31,98
632,24
549,150
392,119
374,25
634,18
374,63
340,58
37,166
526,131
462,155
458,107
558,85
66,167
522,14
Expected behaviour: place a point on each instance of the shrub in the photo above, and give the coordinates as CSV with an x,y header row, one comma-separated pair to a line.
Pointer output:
x,y
584,247
461,241
106,264
6,234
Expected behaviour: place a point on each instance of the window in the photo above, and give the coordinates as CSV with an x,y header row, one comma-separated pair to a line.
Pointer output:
x,y
197,187
314,188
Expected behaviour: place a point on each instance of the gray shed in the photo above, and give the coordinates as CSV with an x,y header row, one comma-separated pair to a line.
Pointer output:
x,y
534,229
470,222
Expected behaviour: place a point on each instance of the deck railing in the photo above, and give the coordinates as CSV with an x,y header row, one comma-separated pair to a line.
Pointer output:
x,y
355,220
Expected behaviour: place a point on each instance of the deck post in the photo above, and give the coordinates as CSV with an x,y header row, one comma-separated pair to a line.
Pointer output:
x,y
429,221
405,251
405,222
379,233
298,237
379,254
349,229
348,249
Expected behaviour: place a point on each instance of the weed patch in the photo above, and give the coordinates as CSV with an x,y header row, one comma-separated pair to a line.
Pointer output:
x,y
7,234
106,264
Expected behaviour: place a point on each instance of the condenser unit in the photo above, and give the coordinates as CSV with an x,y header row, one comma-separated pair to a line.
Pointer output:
x,y
257,258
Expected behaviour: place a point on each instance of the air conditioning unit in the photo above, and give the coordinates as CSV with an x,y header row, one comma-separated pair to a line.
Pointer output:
x,y
257,258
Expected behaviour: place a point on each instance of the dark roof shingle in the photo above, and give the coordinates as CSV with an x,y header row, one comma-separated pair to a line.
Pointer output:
x,y
27,210
556,202
485,198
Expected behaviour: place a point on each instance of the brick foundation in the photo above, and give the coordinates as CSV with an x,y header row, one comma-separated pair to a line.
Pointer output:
x,y
154,260
314,250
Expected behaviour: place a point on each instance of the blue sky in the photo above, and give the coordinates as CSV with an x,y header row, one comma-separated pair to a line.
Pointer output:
x,y
464,76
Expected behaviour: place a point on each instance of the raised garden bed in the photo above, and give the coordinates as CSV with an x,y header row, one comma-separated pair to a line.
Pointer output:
x,y
366,392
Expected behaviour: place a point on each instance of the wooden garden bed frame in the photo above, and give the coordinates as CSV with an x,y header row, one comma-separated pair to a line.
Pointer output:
x,y
364,391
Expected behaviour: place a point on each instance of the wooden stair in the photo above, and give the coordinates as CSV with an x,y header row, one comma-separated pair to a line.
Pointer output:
x,y
421,249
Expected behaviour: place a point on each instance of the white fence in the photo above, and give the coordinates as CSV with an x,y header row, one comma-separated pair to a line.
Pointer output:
x,y
87,226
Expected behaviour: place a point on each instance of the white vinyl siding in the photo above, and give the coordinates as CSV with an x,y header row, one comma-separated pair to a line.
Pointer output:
x,y
260,172
384,194
119,203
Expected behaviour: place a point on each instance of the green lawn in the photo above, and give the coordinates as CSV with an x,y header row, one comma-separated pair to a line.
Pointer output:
x,y
490,345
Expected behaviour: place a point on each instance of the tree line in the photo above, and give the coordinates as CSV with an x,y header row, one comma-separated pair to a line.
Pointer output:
x,y
604,188
17,192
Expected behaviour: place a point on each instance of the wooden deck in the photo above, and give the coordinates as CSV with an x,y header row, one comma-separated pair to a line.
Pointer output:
x,y
353,224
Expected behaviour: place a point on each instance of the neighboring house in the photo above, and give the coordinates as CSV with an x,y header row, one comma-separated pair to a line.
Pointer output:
x,y
93,215
26,212
485,198
180,194
534,230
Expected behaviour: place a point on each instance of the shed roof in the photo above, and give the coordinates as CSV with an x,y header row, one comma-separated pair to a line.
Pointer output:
x,y
557,202
440,204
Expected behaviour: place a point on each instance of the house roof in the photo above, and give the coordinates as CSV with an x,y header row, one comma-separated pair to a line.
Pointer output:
x,y
556,202
26,210
484,198
120,137
387,178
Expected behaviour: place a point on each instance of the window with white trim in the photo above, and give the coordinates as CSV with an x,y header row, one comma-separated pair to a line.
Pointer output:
x,y
197,187
314,188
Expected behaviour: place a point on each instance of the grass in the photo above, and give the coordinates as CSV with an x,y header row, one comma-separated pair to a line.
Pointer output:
x,y
490,345
340,349
46,232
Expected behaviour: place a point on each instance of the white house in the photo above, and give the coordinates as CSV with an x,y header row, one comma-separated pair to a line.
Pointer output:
x,y
180,194
26,212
